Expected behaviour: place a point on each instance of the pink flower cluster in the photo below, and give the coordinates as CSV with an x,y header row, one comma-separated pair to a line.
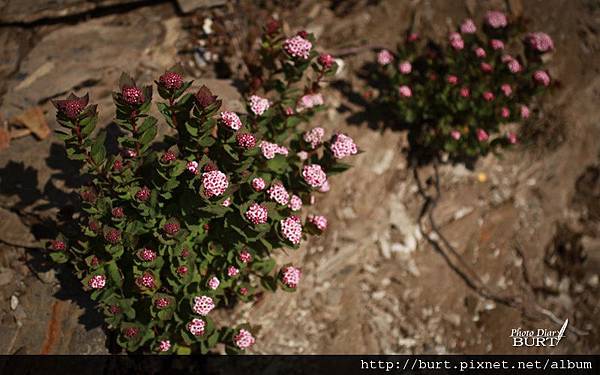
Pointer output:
x,y
258,184
291,229
246,140
258,105
314,136
314,175
203,305
342,146
147,255
290,276
541,78
213,283
196,327
269,150
146,281
245,256
231,120
164,345
405,91
456,41
132,95
143,194
113,236
279,194
326,60
162,303
298,47
405,67
257,214
215,183
320,222
295,203
384,57
171,80
232,271
496,19
192,167
540,42
468,27
243,339
309,101
97,282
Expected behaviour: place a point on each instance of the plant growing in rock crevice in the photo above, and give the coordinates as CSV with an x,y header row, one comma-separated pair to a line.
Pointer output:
x,y
464,99
169,231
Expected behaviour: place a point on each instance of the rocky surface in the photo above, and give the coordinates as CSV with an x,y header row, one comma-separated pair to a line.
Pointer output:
x,y
524,226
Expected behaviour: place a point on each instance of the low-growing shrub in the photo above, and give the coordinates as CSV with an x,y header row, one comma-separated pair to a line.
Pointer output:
x,y
464,99
168,231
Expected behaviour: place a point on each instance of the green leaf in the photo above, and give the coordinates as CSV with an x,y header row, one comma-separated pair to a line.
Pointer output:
x,y
115,274
98,151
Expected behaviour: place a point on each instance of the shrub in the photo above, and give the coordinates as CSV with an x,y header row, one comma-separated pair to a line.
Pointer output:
x,y
168,231
464,98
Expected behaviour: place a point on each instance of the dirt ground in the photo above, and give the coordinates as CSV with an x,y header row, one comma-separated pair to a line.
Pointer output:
x,y
525,228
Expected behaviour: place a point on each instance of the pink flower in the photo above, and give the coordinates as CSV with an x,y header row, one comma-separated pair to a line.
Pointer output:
x,y
269,150
455,134
405,91
129,153
231,120
456,41
143,194
497,44
505,112
113,236
258,105
514,66
182,270
524,112
147,255
465,92
162,303
132,95
295,203
257,214
131,332
196,327
506,89
245,140
342,146
243,291
384,57
243,339
314,175
320,222
512,138
146,281
309,101
480,52
540,42
168,157
117,212
215,183
164,345
485,67
290,276
405,67
302,155
226,202
97,282
482,135
326,61
232,271
314,136
323,189
245,256
412,37
192,167
258,184
488,96
278,193
496,19
453,80
541,78
203,305
298,47
171,228
58,245
468,27
291,229
171,80
72,106
213,283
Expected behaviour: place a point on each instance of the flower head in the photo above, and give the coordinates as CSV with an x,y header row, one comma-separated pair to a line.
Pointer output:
x,y
505,112
258,184
314,136
215,183
524,112
245,140
506,89
297,47
480,52
162,303
203,305
309,101
496,44
257,214
171,80
171,228
168,157
540,42
290,276
512,138
513,65
278,193
143,194
482,135
342,146
465,92
57,245
452,79
192,167
456,41
196,327
232,271
291,229
488,96
258,105
245,256
146,254
269,150
405,67
314,175
485,67
468,27
320,222
213,283
384,57
326,61
72,106
97,282
146,281
243,339
117,212
541,78
231,120
132,95
164,345
455,134
113,236
295,203
496,19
